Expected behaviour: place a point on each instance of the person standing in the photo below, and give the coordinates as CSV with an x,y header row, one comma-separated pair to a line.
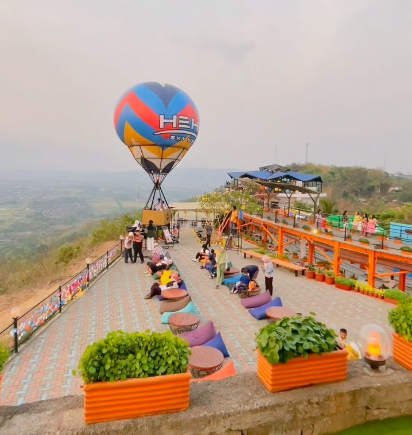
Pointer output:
x,y
137,247
372,224
209,230
357,223
128,243
318,219
221,259
365,225
233,220
269,271
151,235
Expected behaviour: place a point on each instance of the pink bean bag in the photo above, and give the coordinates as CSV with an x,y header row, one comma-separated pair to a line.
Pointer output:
x,y
201,335
256,301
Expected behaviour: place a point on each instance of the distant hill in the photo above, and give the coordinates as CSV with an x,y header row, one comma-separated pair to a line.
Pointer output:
x,y
356,188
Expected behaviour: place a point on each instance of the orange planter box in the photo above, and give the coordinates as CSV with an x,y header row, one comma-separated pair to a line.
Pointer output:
x,y
302,372
106,401
402,351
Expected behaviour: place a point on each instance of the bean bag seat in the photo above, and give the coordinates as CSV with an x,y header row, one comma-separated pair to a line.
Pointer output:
x,y
232,280
201,335
182,286
260,312
174,306
218,344
189,308
257,301
225,372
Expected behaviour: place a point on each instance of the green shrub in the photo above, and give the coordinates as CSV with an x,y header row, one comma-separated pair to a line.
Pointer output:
x,y
67,253
366,241
345,281
397,295
122,356
284,222
406,249
4,356
329,273
320,271
401,319
293,337
306,227
311,268
260,251
111,229
354,277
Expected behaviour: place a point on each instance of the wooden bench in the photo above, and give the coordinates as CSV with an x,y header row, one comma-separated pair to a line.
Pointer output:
x,y
282,263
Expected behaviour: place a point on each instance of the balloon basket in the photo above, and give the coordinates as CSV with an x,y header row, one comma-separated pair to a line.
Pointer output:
x,y
159,218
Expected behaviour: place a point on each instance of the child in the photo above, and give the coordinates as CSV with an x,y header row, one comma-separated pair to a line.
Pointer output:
x,y
343,335
243,284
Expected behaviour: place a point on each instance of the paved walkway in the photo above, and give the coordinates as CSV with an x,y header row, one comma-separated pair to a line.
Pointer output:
x,y
43,368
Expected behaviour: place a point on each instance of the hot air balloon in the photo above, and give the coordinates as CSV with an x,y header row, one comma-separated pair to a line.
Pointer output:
x,y
158,123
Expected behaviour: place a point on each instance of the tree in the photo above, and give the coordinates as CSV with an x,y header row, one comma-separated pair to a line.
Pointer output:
x,y
328,206
221,202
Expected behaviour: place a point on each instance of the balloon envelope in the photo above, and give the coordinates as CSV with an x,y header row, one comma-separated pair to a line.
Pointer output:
x,y
159,123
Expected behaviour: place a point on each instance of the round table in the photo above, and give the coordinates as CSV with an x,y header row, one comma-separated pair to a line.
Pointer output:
x,y
174,294
204,361
183,322
232,272
275,313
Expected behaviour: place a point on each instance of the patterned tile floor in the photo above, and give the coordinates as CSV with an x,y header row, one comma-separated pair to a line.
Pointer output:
x,y
43,368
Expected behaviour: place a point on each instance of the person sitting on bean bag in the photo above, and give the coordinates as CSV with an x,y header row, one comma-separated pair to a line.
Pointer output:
x,y
243,283
204,252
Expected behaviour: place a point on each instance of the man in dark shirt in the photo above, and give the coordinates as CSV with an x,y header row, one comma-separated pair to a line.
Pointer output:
x,y
251,270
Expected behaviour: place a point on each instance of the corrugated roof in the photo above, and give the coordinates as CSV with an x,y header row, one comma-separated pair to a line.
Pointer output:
x,y
296,175
263,175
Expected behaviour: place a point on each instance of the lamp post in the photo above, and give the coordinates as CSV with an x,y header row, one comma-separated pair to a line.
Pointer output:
x,y
88,263
15,314
121,244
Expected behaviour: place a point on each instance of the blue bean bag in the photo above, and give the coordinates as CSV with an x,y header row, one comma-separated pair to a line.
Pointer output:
x,y
260,312
232,280
183,286
189,308
218,344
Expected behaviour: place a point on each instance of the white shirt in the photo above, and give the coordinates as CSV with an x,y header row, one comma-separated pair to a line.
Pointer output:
x,y
269,269
158,206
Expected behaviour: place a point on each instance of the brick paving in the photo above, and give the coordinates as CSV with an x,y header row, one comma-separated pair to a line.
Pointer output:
x,y
43,368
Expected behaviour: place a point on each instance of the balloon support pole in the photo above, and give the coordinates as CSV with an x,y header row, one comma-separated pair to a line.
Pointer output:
x,y
156,188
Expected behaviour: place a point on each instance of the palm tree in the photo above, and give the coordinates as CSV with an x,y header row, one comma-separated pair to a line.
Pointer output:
x,y
328,206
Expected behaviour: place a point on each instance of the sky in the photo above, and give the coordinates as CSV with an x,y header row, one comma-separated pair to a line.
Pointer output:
x,y
268,77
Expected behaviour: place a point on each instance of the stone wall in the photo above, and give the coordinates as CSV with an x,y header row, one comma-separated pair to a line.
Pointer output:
x,y
236,406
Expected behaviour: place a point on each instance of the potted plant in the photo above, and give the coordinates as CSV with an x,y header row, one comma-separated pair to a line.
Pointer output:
x,y
329,277
353,277
349,238
398,240
4,356
299,351
286,257
306,227
295,256
310,271
364,241
131,375
400,319
320,275
393,296
284,222
344,283
406,250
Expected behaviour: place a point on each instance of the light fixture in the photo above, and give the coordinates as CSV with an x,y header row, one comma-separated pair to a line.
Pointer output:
x,y
121,237
88,261
15,312
375,346
315,231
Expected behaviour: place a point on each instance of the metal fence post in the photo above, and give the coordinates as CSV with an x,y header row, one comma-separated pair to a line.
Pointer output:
x,y
276,216
88,275
107,260
16,338
60,298
345,234
294,220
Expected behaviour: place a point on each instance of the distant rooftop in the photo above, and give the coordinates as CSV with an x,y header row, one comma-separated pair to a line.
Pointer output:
x,y
279,175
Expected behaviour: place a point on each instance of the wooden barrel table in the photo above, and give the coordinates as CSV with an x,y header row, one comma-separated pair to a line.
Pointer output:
x,y
204,361
183,322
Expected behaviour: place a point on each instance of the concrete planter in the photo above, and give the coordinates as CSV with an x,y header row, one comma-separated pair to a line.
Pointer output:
x,y
120,400
310,275
301,372
402,351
